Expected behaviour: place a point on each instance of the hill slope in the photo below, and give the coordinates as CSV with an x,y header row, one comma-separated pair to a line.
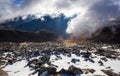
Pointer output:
x,y
9,35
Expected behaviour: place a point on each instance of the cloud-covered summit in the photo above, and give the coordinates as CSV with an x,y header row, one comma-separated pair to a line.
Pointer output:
x,y
91,14
97,16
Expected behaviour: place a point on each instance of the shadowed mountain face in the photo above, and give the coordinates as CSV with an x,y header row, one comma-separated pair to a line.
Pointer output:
x,y
108,34
32,24
7,35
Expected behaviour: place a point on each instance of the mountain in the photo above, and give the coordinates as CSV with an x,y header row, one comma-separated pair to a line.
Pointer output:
x,y
33,24
110,33
10,35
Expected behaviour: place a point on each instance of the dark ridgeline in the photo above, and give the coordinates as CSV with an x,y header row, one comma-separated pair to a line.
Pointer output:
x,y
10,35
109,33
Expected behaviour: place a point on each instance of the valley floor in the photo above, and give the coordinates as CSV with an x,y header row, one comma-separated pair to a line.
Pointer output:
x,y
59,59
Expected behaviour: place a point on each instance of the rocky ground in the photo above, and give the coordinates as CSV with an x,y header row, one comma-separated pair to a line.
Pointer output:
x,y
59,59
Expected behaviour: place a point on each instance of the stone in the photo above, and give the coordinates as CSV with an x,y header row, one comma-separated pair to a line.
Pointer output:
x,y
62,71
2,62
68,55
10,62
51,70
91,70
73,70
86,54
110,73
45,58
100,62
104,59
91,60
36,53
75,60
36,62
88,71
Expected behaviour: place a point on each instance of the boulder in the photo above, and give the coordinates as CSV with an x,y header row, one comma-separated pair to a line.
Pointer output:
x,y
51,70
74,70
45,58
75,60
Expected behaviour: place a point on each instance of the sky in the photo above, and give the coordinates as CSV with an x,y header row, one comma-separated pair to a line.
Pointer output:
x,y
91,14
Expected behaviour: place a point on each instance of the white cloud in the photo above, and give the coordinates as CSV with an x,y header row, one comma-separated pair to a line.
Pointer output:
x,y
9,9
96,16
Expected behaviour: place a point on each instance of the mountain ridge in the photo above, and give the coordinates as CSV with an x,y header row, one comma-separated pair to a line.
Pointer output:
x,y
11,35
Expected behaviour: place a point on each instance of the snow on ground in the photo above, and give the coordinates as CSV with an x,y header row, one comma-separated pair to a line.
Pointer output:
x,y
114,64
18,69
63,63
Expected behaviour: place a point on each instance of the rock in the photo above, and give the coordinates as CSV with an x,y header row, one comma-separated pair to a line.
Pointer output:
x,y
104,59
108,67
2,62
45,58
68,55
114,56
41,70
110,73
75,60
10,62
108,55
36,53
58,74
36,62
62,50
73,70
48,52
56,53
68,62
88,71
100,62
6,50
51,70
58,57
118,58
91,60
91,70
77,53
100,51
62,71
86,54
